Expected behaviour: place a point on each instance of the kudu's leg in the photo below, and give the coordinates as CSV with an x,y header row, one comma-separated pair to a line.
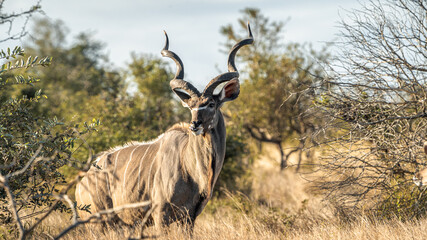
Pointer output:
x,y
161,217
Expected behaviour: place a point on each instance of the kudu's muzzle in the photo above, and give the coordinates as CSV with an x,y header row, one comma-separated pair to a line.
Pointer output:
x,y
196,127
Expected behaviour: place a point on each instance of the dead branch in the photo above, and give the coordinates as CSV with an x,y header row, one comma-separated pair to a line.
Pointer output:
x,y
98,216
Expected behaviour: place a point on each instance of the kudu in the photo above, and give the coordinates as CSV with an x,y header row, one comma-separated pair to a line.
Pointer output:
x,y
420,178
177,171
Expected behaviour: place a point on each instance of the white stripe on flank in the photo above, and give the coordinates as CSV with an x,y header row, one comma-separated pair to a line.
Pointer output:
x,y
139,169
151,167
90,194
107,176
126,169
158,168
96,186
115,166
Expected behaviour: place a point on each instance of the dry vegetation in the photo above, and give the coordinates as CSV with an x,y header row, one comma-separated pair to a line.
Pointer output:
x,y
372,111
235,225
280,206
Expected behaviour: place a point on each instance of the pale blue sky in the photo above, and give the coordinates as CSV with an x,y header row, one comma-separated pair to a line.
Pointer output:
x,y
193,26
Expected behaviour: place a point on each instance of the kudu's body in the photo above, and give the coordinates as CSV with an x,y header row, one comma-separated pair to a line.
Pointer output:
x,y
177,171
420,178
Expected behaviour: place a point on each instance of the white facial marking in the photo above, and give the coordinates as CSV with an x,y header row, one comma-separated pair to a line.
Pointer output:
x,y
199,108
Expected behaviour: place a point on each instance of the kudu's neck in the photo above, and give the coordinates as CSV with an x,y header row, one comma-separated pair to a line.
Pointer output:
x,y
205,155
214,138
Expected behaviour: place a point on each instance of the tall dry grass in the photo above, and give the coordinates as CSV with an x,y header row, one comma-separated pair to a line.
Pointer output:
x,y
279,206
241,226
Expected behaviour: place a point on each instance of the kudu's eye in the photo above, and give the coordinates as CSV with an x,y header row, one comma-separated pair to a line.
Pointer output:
x,y
211,105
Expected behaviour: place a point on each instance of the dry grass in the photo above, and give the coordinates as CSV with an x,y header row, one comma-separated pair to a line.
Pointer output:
x,y
241,226
279,207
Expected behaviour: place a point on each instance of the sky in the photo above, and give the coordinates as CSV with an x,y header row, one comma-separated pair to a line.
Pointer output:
x,y
192,25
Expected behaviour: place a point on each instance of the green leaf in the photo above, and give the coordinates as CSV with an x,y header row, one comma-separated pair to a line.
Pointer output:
x,y
27,64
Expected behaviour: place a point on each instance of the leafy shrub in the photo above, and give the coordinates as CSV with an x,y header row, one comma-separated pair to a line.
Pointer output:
x,y
32,147
236,164
404,201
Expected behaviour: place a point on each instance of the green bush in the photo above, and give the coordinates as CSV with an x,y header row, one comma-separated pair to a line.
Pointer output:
x,y
32,147
404,201
236,164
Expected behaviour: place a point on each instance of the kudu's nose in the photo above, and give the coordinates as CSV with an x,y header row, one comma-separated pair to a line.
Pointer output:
x,y
195,125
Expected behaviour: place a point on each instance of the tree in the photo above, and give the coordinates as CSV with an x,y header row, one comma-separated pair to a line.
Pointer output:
x,y
376,98
32,149
80,67
154,97
81,85
10,20
34,145
275,91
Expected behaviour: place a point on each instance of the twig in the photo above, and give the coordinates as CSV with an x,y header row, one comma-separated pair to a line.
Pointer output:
x,y
98,215
29,163
12,206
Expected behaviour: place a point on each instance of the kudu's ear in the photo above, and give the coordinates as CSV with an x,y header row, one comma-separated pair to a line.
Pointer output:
x,y
227,91
182,94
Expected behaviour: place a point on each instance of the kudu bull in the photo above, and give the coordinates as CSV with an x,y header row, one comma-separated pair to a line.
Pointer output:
x,y
420,178
178,170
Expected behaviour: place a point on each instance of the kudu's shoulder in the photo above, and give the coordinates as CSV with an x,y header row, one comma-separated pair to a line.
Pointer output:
x,y
178,134
181,127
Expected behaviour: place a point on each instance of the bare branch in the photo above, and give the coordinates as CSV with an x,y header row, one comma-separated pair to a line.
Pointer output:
x,y
98,216
9,19
375,100
4,181
34,159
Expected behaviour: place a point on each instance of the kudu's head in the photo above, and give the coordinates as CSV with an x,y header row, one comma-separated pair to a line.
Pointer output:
x,y
420,178
205,106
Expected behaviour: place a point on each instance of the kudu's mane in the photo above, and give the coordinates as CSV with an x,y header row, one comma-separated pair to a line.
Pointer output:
x,y
182,127
128,144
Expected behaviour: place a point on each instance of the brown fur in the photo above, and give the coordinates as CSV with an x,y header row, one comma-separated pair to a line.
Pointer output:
x,y
177,173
